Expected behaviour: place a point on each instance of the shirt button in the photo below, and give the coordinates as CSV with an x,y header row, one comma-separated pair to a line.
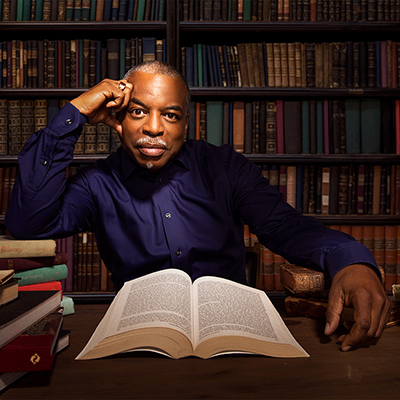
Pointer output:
x,y
160,180
68,121
168,215
44,162
178,252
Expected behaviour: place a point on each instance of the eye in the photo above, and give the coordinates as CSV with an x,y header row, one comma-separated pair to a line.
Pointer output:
x,y
172,116
137,112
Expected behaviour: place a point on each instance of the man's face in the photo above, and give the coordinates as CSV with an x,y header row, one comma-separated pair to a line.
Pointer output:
x,y
155,122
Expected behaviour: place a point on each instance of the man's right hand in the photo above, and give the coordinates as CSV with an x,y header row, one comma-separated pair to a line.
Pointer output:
x,y
96,103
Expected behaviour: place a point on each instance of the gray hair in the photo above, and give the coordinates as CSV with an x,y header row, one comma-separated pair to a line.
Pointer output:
x,y
160,68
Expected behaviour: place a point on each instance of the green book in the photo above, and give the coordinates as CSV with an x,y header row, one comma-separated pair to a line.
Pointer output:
x,y
200,65
370,126
140,10
20,9
214,122
320,127
42,274
246,10
93,6
161,12
39,10
353,126
26,13
305,128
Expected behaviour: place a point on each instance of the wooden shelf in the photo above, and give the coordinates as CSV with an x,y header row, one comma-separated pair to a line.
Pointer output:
x,y
357,219
227,92
244,26
291,92
55,26
324,158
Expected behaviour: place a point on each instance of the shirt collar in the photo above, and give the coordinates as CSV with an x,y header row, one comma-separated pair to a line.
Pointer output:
x,y
128,165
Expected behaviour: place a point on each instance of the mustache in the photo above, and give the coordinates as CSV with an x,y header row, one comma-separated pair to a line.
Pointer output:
x,y
151,140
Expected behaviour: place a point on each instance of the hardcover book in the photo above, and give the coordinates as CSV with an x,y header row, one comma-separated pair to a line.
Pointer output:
x,y
165,313
14,248
33,350
30,307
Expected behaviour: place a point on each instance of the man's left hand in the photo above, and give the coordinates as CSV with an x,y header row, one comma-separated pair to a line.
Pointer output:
x,y
357,286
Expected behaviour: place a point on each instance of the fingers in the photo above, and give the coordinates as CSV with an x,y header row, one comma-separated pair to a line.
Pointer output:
x,y
361,289
333,312
121,95
96,103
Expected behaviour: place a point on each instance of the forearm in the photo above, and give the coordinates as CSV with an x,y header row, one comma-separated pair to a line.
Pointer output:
x,y
305,241
40,184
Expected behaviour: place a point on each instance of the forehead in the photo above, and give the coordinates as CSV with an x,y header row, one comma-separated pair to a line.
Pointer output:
x,y
158,88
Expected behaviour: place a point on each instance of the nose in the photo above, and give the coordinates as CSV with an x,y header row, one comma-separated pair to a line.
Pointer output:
x,y
153,125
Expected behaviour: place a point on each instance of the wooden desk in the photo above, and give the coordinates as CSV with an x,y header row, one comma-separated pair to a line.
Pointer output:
x,y
370,372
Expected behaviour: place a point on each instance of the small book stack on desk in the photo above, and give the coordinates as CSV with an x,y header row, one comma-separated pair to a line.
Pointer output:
x,y
307,292
30,320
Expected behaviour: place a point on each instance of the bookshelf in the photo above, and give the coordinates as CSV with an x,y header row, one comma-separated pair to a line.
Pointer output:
x,y
179,33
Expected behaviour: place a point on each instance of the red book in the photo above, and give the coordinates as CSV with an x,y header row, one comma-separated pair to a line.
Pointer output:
x,y
267,269
238,126
22,264
33,350
53,285
379,244
394,65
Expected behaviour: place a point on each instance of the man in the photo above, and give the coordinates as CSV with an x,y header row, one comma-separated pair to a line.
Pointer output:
x,y
162,202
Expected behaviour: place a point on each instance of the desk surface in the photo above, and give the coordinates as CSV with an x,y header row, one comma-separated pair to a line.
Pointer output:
x,y
372,371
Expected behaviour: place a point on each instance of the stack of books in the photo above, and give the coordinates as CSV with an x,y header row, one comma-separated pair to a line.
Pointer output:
x,y
31,312
37,265
307,292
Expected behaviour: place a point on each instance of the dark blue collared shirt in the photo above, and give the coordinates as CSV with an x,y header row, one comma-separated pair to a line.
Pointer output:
x,y
190,216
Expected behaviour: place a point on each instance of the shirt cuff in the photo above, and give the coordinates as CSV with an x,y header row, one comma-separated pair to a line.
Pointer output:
x,y
68,119
347,254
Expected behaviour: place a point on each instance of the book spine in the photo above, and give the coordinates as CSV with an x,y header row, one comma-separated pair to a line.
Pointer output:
x,y
41,275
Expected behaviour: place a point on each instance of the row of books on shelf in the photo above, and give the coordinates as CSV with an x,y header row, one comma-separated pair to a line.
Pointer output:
x,y
32,306
373,64
75,63
345,189
20,118
289,10
83,10
383,241
351,126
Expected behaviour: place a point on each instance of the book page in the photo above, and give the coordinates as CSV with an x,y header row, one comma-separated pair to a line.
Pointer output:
x,y
160,299
231,309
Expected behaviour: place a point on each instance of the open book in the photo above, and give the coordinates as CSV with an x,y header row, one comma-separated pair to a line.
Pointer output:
x,y
164,312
